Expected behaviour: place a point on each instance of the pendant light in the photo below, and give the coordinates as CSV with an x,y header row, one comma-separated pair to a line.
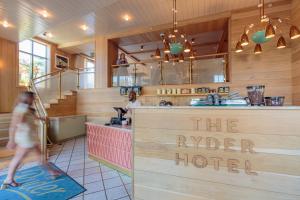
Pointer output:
x,y
167,48
192,55
187,47
244,39
257,49
181,58
238,47
157,53
281,43
270,31
294,32
166,60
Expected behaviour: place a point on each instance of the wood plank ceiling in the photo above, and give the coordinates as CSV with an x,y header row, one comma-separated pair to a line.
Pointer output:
x,y
103,17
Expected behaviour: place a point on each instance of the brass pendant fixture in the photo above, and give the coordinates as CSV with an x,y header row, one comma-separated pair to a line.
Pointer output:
x,y
187,47
244,39
239,47
281,43
272,25
294,32
270,31
166,47
192,55
176,43
181,58
157,53
257,49
166,59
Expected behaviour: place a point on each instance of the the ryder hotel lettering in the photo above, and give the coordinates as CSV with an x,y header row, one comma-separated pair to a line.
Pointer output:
x,y
198,146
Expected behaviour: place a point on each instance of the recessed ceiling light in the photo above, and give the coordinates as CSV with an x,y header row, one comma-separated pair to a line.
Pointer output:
x,y
48,34
84,27
44,13
5,24
126,17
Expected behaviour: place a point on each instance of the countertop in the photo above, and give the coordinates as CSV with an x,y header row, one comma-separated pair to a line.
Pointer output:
x,y
126,128
223,107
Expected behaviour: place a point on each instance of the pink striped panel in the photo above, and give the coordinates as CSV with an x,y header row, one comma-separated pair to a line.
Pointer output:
x,y
110,144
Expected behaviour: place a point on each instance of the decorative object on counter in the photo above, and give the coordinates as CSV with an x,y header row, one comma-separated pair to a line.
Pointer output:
x,y
272,26
124,91
174,91
224,89
178,91
158,91
203,90
216,98
165,103
193,91
256,94
186,91
274,101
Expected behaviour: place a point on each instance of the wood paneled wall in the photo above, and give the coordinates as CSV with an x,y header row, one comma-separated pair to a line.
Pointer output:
x,y
8,75
296,54
98,104
216,154
9,63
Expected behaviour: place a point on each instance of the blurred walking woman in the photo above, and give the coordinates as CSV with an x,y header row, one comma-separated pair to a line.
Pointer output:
x,y
23,136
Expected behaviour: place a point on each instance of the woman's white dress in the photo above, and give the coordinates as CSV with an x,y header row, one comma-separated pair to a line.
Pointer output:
x,y
26,134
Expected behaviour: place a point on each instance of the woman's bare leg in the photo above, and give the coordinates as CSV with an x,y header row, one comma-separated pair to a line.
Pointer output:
x,y
15,162
45,163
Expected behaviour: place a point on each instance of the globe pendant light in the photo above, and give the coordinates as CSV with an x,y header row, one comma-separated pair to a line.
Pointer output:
x,y
157,53
257,49
281,43
244,39
270,31
166,58
294,32
238,47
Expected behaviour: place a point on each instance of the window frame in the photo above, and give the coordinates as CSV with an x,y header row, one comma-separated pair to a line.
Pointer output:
x,y
46,58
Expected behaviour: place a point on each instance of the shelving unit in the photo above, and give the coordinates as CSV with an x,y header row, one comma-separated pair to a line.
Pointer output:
x,y
180,95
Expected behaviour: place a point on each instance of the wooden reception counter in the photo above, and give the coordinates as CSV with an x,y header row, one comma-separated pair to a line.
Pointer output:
x,y
209,153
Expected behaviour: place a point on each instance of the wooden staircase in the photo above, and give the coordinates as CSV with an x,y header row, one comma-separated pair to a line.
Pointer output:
x,y
62,107
4,128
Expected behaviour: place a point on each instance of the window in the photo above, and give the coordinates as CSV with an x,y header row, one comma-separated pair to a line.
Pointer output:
x,y
87,76
33,61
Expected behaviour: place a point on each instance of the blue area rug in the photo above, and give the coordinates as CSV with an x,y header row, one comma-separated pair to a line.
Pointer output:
x,y
37,184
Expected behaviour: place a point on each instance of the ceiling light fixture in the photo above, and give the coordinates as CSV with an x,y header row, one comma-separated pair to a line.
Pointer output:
x,y
244,39
48,34
175,43
84,27
126,17
142,48
157,53
238,47
166,58
5,24
294,32
272,25
281,43
181,58
257,49
45,13
167,47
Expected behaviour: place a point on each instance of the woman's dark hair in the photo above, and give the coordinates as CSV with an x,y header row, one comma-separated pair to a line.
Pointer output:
x,y
24,96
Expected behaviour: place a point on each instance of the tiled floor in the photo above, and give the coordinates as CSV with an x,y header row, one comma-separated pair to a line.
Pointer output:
x,y
101,182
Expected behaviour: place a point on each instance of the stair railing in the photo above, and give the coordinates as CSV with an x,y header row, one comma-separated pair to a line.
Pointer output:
x,y
52,85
